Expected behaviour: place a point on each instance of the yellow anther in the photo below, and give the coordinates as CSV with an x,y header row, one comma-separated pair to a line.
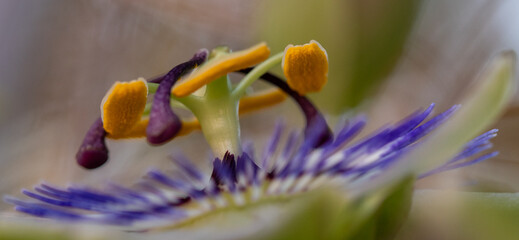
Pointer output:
x,y
220,66
123,105
137,131
261,100
305,67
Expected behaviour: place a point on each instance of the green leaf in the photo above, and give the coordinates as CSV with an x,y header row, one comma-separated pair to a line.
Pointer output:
x,y
462,215
394,210
26,233
386,221
363,38
18,227
480,107
326,214
315,216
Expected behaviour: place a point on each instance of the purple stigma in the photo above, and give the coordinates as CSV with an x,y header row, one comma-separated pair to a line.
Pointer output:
x,y
93,152
316,131
164,124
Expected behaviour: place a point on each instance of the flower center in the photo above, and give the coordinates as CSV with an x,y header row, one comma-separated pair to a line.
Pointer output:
x,y
125,113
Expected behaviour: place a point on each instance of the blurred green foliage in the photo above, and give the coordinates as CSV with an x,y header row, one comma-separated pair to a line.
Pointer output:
x,y
390,215
363,38
326,215
438,214
28,233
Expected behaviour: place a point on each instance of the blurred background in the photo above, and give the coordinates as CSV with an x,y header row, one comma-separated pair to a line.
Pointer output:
x,y
387,58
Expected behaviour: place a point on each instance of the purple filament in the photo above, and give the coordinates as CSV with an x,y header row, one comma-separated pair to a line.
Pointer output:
x,y
316,131
164,124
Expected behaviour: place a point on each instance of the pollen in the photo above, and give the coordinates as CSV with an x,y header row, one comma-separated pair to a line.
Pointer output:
x,y
305,67
123,105
220,66
137,131
261,100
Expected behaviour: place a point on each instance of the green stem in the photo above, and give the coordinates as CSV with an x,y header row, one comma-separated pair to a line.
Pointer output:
x,y
152,88
255,74
217,110
217,113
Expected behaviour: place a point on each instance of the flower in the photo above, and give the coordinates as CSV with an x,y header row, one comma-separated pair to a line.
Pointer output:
x,y
317,159
298,168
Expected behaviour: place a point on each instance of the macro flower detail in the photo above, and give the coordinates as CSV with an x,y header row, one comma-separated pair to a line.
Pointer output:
x,y
293,162
285,169
164,124
305,67
93,151
315,123
220,66
123,105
